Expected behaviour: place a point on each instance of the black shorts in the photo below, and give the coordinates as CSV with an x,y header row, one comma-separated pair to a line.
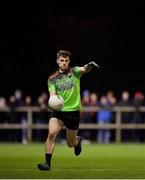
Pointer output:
x,y
70,119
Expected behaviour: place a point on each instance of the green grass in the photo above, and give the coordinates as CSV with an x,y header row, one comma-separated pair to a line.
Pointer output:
x,y
96,161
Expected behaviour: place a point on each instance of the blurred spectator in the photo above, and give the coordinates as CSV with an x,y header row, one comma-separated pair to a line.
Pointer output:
x,y
28,101
24,121
12,135
86,116
111,98
2,103
18,98
44,95
112,102
41,118
12,100
93,102
125,116
104,116
18,95
138,117
3,117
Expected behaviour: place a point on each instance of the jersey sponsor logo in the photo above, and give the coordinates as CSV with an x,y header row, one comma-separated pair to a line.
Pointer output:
x,y
64,85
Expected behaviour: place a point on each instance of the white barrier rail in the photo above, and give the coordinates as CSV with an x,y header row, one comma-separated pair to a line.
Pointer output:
x,y
117,125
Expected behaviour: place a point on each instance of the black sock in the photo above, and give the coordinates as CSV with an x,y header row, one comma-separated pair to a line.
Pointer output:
x,y
48,158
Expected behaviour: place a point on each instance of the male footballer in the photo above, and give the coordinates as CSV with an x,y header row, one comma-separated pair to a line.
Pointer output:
x,y
66,83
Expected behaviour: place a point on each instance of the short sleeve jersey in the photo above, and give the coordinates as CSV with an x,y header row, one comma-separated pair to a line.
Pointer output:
x,y
67,85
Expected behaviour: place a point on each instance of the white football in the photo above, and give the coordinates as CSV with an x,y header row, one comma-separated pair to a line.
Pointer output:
x,y
56,102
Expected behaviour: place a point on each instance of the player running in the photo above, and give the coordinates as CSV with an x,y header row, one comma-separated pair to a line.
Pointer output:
x,y
66,83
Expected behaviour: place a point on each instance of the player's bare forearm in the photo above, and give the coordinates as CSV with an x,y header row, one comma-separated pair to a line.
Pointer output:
x,y
85,70
88,67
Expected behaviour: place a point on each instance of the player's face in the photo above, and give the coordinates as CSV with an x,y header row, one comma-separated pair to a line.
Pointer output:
x,y
63,63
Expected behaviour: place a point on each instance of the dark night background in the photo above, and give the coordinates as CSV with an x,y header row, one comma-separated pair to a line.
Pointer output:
x,y
111,34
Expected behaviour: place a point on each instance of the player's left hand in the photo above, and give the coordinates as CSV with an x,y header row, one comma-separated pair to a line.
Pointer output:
x,y
93,64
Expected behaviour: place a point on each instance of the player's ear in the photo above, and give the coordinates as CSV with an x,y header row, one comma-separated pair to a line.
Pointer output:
x,y
57,61
68,60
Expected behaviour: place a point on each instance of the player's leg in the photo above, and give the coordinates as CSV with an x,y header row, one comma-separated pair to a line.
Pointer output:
x,y
55,125
74,141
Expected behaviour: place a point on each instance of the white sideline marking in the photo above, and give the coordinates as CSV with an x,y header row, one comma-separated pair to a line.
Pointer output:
x,y
76,169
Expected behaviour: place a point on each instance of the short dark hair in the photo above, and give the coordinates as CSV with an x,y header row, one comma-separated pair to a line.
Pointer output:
x,y
63,53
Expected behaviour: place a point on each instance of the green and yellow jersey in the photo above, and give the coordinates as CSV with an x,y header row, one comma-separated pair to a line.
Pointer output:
x,y
67,85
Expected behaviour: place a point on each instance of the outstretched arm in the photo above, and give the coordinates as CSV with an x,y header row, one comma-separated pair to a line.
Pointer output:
x,y
88,67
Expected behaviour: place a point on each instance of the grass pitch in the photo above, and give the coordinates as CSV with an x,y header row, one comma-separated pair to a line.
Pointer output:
x,y
96,162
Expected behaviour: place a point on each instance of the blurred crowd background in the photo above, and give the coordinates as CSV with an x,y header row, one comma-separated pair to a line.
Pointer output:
x,y
105,101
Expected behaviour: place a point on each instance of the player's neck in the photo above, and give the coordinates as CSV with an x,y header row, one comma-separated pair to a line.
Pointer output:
x,y
62,71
